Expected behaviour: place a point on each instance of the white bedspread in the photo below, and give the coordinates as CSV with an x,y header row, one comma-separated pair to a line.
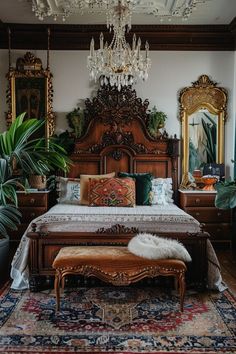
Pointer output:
x,y
155,218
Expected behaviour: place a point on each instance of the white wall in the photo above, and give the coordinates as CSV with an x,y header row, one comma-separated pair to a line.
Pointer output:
x,y
170,72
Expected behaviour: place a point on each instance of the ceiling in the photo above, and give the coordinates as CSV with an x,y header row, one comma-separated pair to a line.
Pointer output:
x,y
208,12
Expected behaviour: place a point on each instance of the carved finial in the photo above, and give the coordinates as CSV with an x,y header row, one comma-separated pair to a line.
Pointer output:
x,y
204,81
33,227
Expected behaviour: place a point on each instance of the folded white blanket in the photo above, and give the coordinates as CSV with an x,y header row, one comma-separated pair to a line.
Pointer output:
x,y
154,247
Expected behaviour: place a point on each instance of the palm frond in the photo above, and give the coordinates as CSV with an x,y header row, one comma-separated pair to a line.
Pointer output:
x,y
9,218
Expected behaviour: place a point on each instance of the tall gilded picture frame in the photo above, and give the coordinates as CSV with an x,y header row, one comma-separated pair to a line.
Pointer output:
x,y
203,112
30,90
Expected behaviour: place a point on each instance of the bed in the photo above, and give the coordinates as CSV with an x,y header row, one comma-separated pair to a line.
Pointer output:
x,y
115,138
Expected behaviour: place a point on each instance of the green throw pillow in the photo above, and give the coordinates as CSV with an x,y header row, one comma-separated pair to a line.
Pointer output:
x,y
143,186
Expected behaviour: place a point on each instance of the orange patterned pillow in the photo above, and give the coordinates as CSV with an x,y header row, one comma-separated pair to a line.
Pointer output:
x,y
112,192
84,183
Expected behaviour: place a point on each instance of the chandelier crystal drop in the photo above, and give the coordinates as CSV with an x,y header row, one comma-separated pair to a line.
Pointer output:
x,y
118,63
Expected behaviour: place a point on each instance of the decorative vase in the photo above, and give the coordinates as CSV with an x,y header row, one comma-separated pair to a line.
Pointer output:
x,y
209,183
37,181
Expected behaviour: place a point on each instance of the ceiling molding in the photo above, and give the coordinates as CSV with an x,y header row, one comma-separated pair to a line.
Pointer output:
x,y
232,26
160,37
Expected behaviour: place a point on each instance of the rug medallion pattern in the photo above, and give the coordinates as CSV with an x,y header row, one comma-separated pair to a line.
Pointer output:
x,y
117,319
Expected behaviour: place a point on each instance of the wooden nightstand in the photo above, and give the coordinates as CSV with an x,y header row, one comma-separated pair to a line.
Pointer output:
x,y
31,205
201,205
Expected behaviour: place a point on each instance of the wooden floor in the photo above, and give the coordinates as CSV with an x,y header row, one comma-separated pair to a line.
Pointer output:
x,y
227,259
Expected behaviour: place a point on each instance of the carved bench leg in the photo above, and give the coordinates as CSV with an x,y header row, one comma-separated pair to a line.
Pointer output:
x,y
57,284
181,285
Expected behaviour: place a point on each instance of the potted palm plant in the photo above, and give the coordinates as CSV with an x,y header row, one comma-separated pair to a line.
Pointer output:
x,y
226,199
31,156
9,214
20,152
226,194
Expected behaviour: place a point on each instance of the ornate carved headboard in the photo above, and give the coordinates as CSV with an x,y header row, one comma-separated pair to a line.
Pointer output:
x,y
115,138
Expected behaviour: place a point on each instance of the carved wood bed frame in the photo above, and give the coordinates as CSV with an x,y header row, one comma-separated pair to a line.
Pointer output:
x,y
116,138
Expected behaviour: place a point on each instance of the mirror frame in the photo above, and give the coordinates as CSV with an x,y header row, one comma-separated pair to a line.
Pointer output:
x,y
202,94
29,67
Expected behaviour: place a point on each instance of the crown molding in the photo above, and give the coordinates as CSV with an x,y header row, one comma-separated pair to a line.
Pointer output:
x,y
232,26
160,37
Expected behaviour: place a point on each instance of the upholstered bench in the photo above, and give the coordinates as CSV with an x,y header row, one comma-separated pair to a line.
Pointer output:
x,y
115,265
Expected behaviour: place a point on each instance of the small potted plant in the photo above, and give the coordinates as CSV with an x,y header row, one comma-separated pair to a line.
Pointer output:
x,y
156,121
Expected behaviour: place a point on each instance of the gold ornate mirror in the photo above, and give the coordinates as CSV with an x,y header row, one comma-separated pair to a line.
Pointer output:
x,y
30,90
203,113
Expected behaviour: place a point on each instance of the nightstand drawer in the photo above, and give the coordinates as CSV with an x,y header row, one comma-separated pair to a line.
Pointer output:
x,y
31,205
29,214
208,214
201,205
32,199
197,200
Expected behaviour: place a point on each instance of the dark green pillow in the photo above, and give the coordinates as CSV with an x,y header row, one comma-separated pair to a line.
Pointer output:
x,y
143,186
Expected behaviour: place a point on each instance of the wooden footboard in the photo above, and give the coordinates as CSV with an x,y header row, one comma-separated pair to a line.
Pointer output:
x,y
45,246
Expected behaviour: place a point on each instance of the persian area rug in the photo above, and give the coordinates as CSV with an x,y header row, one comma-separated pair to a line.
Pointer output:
x,y
117,320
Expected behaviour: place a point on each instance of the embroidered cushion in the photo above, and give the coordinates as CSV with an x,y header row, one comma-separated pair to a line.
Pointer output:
x,y
68,190
112,192
161,191
143,186
84,182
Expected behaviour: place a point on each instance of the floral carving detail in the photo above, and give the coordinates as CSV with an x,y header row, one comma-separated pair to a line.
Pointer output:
x,y
117,155
118,229
203,91
116,136
123,105
204,81
28,62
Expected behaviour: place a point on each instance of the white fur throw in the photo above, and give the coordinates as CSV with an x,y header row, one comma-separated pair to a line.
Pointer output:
x,y
154,247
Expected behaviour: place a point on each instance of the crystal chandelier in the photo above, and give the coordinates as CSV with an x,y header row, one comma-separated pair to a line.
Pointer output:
x,y
117,63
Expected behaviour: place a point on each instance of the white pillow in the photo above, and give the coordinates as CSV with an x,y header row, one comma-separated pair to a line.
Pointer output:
x,y
162,191
68,190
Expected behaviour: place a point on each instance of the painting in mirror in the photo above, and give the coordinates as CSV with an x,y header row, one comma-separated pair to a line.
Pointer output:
x,y
203,111
203,126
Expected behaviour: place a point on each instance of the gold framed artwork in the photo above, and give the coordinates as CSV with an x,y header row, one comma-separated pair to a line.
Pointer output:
x,y
203,112
30,90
